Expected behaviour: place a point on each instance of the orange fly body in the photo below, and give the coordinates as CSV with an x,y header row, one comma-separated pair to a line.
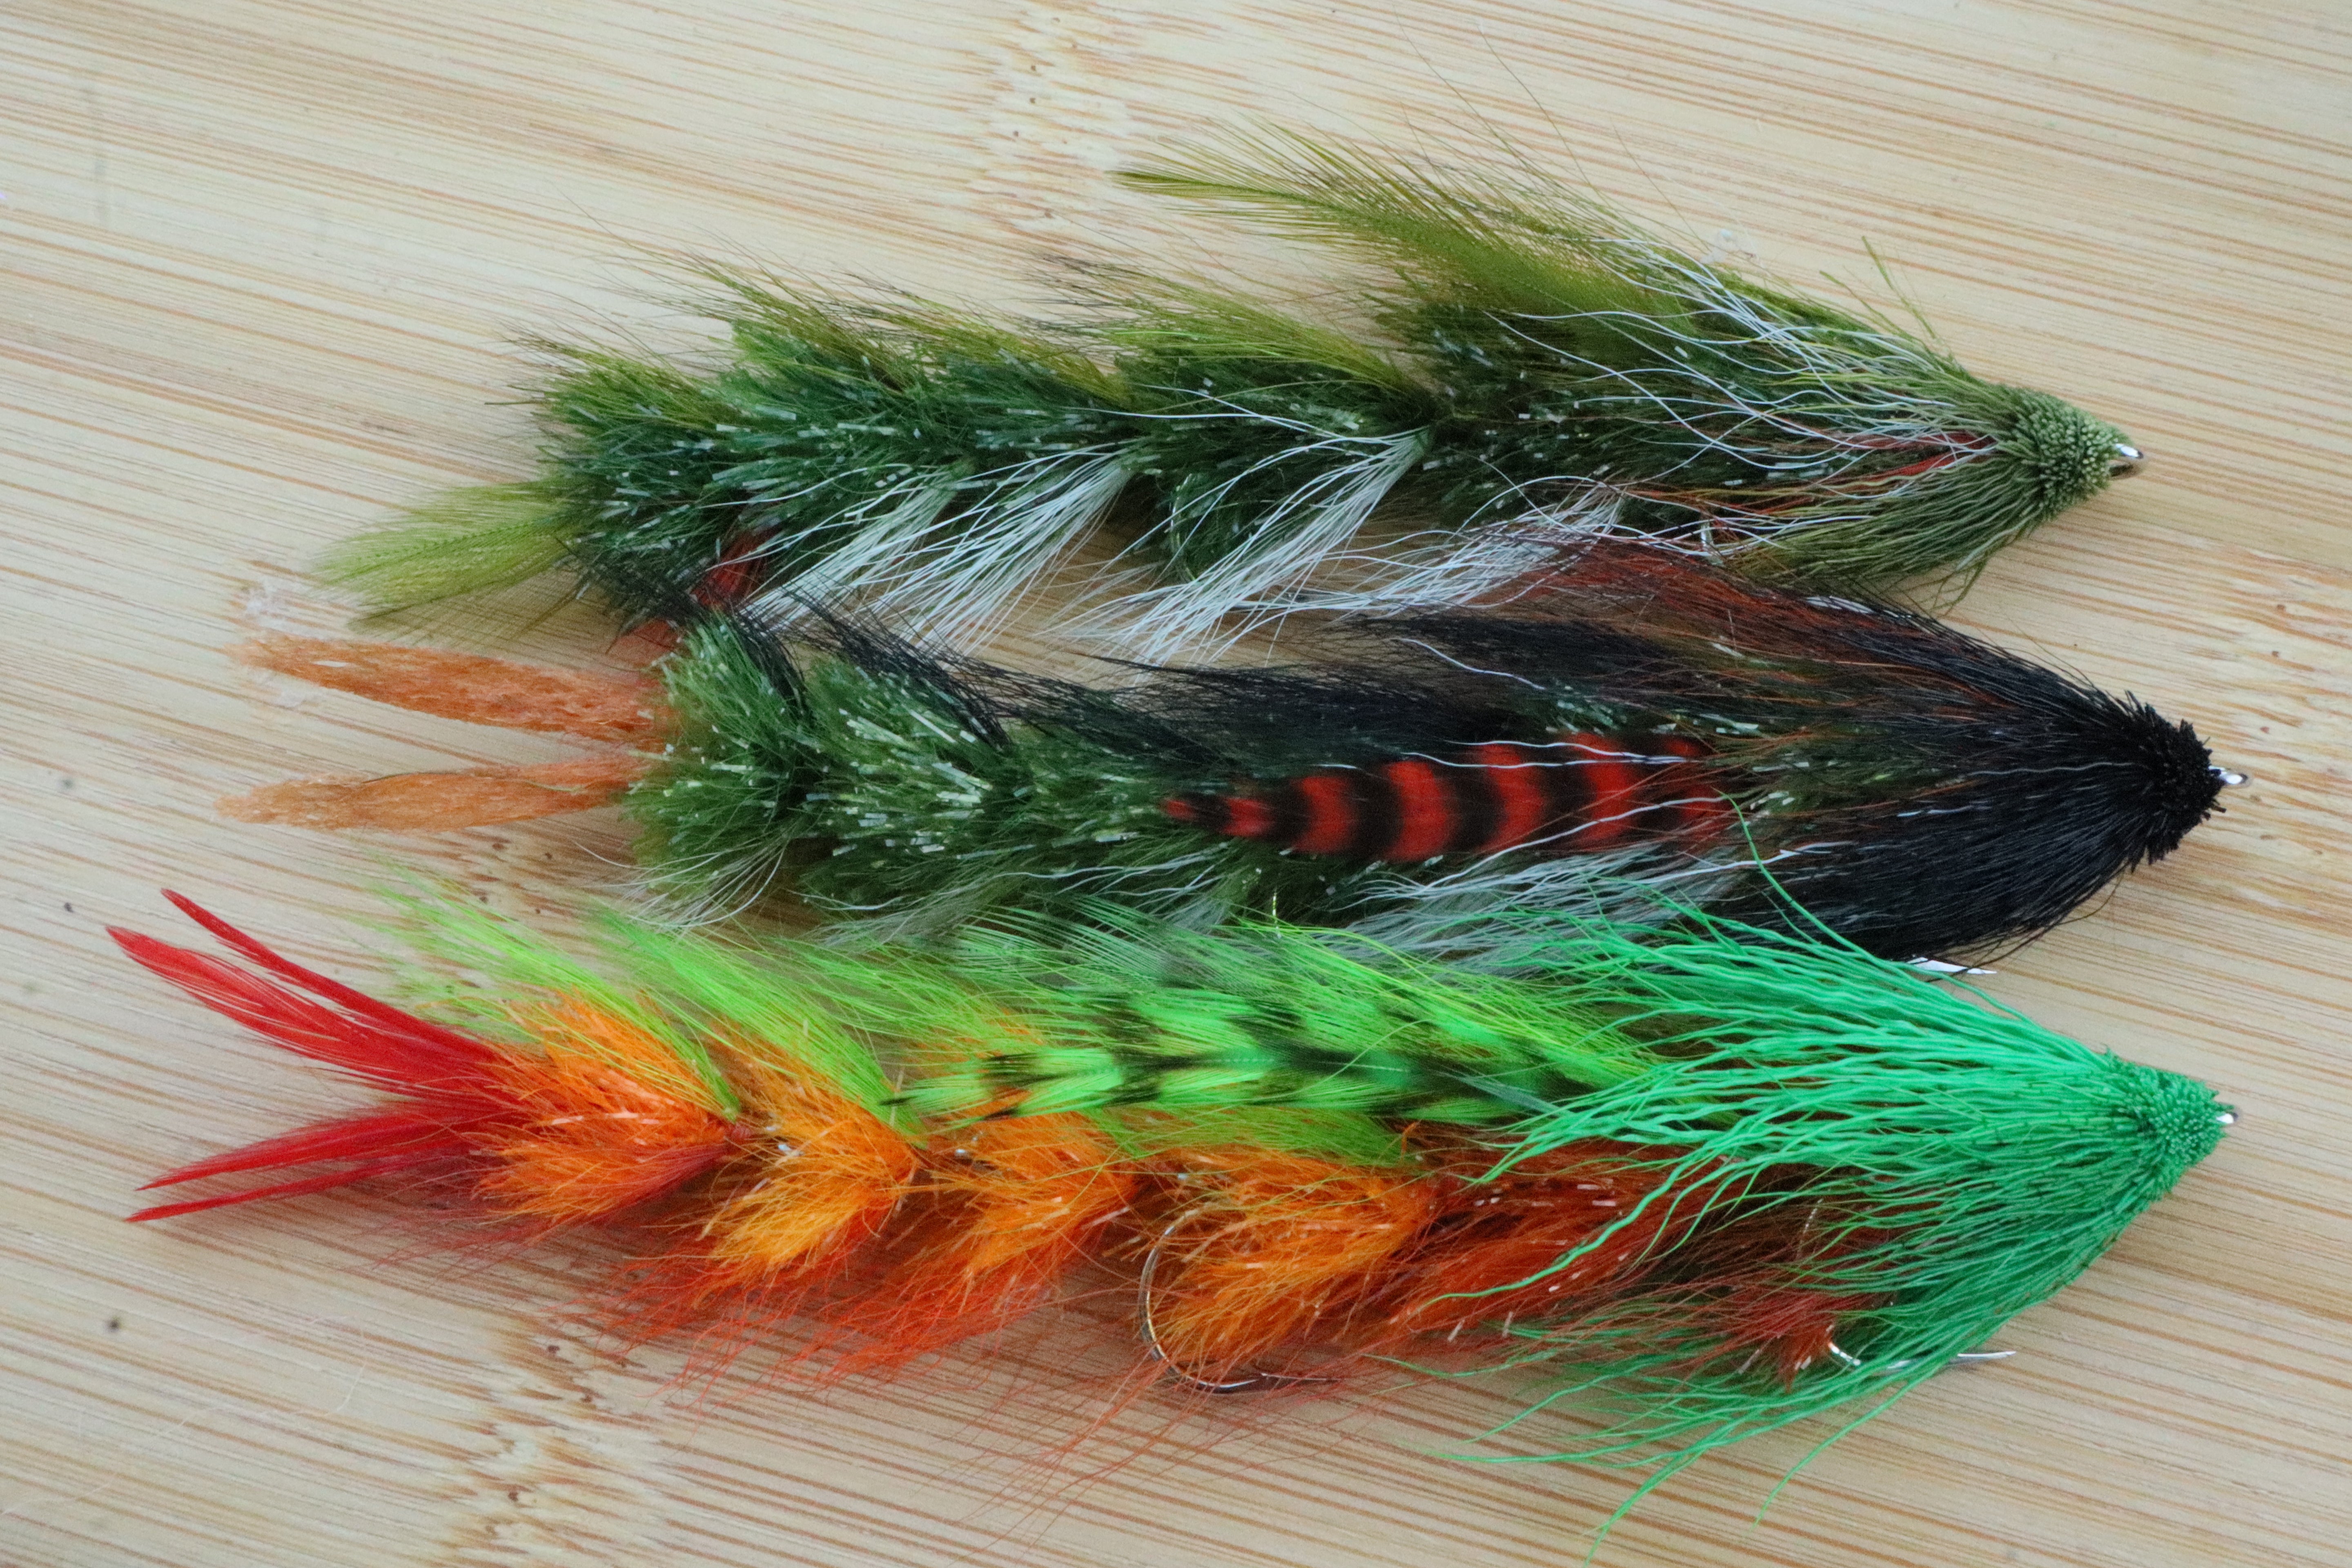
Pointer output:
x,y
599,1127
1269,1249
1018,1203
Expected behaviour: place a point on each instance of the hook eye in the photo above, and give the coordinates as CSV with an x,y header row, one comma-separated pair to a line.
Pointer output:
x,y
2126,462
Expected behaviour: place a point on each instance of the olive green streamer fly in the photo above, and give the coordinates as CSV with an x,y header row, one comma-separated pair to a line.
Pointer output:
x,y
1527,363
1591,369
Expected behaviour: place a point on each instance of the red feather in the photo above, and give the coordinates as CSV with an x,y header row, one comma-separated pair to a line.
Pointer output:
x,y
398,1133
295,1189
463,1049
397,1058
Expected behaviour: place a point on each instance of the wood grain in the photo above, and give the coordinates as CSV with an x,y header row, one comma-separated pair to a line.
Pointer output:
x,y
261,262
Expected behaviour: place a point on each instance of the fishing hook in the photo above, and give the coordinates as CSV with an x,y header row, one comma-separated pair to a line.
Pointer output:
x,y
1254,1383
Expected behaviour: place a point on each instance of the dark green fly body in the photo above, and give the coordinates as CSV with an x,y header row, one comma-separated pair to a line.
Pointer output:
x,y
1521,364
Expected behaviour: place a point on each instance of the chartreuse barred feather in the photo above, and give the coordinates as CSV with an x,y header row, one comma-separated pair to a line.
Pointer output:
x,y
1129,1011
806,1009
1940,1163
1528,360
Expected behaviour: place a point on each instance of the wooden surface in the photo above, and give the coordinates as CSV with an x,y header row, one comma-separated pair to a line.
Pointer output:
x,y
260,260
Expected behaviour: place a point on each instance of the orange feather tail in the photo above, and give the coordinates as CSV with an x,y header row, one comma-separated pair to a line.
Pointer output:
x,y
427,803
625,710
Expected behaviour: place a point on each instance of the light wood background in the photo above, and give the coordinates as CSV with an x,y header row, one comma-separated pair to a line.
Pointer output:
x,y
258,263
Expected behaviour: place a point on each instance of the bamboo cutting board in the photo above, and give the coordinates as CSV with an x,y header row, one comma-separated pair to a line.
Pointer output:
x,y
259,262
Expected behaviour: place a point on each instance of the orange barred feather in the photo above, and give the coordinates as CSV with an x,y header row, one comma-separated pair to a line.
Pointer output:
x,y
591,1139
1581,794
821,1179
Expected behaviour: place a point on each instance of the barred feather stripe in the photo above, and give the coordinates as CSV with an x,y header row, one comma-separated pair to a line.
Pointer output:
x,y
1581,794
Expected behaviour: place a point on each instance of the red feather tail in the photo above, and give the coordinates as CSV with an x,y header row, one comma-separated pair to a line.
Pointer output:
x,y
406,1134
368,1038
326,1181
565,1136
443,1072
461,1051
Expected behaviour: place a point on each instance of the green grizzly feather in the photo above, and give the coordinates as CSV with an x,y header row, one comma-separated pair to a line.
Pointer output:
x,y
1127,1011
1952,1161
1529,362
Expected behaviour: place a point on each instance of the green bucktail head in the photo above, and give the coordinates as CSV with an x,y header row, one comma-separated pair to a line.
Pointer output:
x,y
2016,458
2177,1119
2070,455
1946,1163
